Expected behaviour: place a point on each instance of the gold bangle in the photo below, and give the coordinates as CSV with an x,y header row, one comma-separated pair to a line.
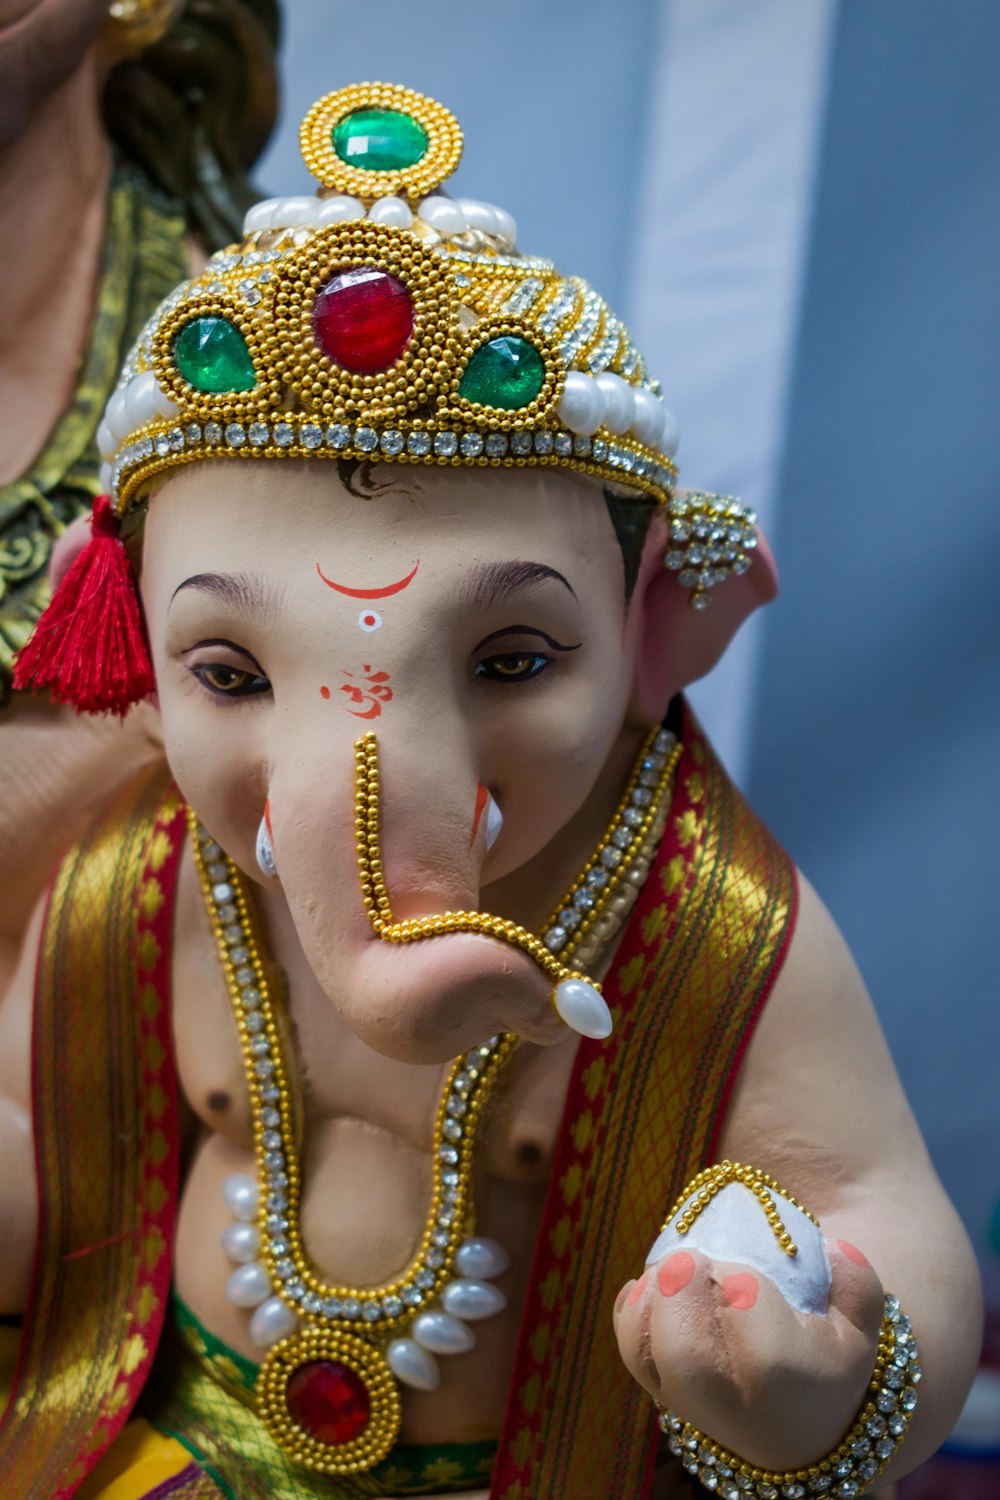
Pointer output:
x,y
858,1459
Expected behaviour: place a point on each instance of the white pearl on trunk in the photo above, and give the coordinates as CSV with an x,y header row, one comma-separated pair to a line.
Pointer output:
x,y
272,1321
650,416
472,1299
248,1286
481,1258
240,1193
391,211
619,404
444,215
583,1008
338,210
442,1334
241,1243
265,850
413,1365
494,821
582,405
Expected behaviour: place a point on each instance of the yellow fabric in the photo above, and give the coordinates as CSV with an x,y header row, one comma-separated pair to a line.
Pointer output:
x,y
138,1460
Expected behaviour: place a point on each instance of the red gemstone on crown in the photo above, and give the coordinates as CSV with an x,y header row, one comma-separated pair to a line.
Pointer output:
x,y
329,1401
363,319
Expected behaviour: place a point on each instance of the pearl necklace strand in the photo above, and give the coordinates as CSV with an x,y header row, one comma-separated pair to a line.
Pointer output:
x,y
327,1388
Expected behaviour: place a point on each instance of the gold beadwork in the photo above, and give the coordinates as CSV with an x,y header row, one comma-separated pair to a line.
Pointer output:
x,y
382,1427
703,1188
444,142
859,1458
375,1313
376,898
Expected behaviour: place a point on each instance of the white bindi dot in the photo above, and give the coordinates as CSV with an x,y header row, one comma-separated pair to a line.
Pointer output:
x,y
369,619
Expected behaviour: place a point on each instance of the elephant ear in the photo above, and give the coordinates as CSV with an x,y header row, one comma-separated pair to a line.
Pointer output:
x,y
675,645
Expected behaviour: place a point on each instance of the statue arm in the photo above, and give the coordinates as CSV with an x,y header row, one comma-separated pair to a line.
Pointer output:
x,y
819,1106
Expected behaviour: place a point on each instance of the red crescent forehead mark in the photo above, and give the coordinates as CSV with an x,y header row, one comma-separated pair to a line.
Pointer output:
x,y
392,588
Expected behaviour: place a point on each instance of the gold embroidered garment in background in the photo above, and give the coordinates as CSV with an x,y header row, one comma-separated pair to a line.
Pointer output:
x,y
143,258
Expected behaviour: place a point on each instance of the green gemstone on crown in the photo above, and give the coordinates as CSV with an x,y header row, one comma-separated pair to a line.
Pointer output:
x,y
508,372
379,140
211,354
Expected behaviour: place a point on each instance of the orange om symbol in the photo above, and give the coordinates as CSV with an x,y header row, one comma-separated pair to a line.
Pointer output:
x,y
375,694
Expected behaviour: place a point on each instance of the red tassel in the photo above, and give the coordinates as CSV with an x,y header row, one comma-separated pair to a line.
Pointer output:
x,y
89,647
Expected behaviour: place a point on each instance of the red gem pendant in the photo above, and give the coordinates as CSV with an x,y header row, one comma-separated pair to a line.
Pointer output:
x,y
329,1401
363,319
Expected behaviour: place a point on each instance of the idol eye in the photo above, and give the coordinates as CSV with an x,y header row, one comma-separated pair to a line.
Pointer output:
x,y
512,666
230,682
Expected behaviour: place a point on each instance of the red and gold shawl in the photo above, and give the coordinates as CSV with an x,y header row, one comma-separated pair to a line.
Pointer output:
x,y
642,1115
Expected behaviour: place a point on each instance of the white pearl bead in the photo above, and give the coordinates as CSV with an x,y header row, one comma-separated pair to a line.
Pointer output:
x,y
106,444
506,226
248,1286
272,1321
104,477
582,405
265,850
241,1243
288,213
442,1334
413,1365
444,215
163,405
494,821
259,216
583,1008
481,216
391,211
472,1299
670,437
650,416
116,416
240,1193
338,209
140,400
619,405
481,1258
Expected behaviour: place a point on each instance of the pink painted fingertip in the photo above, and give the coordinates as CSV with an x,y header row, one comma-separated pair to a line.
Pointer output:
x,y
638,1287
675,1273
740,1290
853,1253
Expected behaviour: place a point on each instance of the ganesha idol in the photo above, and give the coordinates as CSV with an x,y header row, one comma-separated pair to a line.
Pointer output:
x,y
438,1081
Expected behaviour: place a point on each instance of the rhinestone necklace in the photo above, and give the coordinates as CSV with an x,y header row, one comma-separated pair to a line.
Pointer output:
x,y
327,1389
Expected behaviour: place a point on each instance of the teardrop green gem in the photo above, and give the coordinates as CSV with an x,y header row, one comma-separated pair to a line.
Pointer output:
x,y
379,140
212,355
508,372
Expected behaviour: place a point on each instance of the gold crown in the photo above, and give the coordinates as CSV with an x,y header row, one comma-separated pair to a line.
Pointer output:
x,y
380,319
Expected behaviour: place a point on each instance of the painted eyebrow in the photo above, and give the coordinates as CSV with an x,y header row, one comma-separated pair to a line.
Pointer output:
x,y
488,583
246,592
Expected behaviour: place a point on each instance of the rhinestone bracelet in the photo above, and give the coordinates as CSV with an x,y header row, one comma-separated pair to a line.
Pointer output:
x,y
877,1432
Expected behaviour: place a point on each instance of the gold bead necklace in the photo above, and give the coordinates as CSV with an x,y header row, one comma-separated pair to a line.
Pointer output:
x,y
327,1388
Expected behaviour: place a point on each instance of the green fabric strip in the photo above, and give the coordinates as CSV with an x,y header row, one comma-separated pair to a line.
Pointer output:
x,y
201,1393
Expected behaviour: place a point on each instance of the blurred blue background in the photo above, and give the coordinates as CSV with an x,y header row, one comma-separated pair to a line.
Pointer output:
x,y
798,210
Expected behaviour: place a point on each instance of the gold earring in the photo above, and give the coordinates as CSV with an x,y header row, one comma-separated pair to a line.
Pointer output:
x,y
135,25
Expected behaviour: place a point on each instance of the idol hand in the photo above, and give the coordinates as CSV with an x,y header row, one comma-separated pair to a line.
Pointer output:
x,y
717,1343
